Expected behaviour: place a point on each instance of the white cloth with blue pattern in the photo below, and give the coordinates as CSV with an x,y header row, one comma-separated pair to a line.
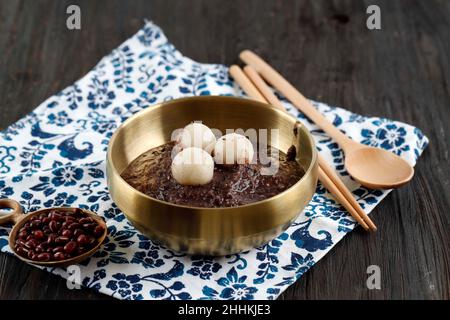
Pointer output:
x,y
55,156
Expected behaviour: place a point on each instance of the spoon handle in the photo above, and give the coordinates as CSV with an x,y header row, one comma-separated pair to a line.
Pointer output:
x,y
16,213
298,100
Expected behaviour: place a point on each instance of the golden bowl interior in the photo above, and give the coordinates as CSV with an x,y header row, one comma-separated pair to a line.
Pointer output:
x,y
211,231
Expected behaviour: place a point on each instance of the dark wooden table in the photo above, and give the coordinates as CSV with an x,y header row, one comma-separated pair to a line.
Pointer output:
x,y
400,72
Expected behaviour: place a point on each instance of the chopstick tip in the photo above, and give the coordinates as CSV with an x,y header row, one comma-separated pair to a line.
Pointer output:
x,y
248,67
244,53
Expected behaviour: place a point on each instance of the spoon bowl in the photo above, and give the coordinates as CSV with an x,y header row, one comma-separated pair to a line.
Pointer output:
x,y
378,168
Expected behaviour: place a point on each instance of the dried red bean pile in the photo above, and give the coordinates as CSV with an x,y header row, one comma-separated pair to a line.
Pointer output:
x,y
57,235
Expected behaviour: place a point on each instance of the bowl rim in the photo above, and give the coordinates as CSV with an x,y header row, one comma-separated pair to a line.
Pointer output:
x,y
311,166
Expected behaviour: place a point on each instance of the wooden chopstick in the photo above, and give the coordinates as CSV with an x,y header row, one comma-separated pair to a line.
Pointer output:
x,y
272,99
297,99
263,88
248,87
265,94
288,90
348,195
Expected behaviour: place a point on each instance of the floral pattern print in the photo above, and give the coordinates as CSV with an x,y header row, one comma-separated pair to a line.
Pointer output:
x,y
203,267
4,190
126,285
234,288
55,156
100,96
67,176
60,119
149,257
388,136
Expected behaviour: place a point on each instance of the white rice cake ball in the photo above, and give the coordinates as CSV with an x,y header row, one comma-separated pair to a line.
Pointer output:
x,y
196,135
193,166
233,148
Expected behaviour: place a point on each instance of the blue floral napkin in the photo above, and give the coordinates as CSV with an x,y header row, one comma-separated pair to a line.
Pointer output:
x,y
55,156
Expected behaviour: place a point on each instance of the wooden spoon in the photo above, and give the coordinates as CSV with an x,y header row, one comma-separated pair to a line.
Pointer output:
x,y
18,218
372,167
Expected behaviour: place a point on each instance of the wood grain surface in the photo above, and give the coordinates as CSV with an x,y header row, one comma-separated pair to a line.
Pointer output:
x,y
324,48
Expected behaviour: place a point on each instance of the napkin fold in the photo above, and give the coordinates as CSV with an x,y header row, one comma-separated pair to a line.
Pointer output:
x,y
55,156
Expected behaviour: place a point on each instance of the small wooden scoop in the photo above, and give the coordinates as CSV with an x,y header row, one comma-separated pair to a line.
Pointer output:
x,y
18,218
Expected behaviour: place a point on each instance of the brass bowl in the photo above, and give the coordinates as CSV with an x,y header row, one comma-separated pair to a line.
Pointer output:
x,y
209,231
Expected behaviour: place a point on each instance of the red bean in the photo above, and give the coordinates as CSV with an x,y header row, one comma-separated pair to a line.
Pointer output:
x,y
62,239
67,233
82,240
20,243
86,220
22,251
70,247
56,217
89,226
44,256
31,255
36,224
31,244
54,226
78,232
59,256
58,249
81,250
92,241
74,226
98,231
42,247
38,234
51,239
23,235
70,220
